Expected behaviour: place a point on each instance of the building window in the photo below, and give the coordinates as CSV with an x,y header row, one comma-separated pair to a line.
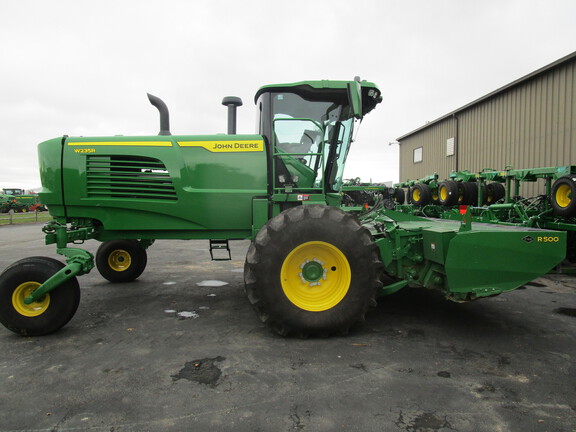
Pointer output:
x,y
418,155
450,147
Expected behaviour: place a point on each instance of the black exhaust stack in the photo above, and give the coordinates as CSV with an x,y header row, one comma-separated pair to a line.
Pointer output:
x,y
164,115
232,102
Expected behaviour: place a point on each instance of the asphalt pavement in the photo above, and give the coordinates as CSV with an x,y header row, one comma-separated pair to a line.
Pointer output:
x,y
180,349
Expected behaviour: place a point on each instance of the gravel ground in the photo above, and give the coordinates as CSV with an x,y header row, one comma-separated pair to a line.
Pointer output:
x,y
180,349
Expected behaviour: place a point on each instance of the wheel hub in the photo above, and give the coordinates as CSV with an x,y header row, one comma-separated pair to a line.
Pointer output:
x,y
119,260
312,271
33,309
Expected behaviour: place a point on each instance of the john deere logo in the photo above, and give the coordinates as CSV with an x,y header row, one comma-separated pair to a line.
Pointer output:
x,y
528,239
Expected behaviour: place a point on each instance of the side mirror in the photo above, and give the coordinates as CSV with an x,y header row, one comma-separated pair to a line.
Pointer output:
x,y
354,89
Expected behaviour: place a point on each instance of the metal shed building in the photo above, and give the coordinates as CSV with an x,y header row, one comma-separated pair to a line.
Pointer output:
x,y
528,123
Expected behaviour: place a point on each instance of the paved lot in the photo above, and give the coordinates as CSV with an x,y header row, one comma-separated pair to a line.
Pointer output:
x,y
419,364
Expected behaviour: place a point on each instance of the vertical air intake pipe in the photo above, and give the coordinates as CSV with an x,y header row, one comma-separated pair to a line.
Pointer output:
x,y
164,115
232,102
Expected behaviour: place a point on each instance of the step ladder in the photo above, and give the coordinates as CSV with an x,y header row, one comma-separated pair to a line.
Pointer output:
x,y
220,245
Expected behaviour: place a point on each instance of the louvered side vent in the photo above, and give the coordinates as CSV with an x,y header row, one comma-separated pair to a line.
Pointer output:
x,y
128,177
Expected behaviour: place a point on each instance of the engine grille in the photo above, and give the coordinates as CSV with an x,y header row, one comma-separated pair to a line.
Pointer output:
x,y
128,177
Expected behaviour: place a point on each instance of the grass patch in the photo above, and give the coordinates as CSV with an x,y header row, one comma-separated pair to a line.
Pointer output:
x,y
24,218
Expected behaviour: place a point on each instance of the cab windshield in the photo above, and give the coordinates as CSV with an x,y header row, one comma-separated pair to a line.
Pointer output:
x,y
13,191
311,141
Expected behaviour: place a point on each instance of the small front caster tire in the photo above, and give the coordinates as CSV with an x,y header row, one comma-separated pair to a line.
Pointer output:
x,y
49,314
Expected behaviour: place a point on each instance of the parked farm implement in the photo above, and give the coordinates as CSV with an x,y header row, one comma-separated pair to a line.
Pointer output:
x,y
19,201
495,197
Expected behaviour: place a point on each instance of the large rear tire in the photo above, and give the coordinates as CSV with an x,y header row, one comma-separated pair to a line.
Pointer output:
x,y
121,261
313,270
46,316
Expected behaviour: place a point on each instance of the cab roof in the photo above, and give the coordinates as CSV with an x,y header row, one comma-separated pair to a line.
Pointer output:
x,y
326,90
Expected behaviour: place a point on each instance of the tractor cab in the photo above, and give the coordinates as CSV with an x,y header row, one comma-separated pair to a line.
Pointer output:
x,y
308,128
13,191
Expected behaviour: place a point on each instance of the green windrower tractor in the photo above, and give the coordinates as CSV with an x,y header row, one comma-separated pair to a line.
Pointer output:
x,y
312,268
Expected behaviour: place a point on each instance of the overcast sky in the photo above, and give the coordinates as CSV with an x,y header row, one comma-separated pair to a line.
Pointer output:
x,y
84,67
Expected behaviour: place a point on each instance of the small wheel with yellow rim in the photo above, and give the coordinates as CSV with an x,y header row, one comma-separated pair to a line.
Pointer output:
x,y
420,194
121,260
44,316
494,192
313,270
434,196
563,197
399,196
448,193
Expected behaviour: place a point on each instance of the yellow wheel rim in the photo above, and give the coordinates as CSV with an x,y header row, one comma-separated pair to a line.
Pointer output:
x,y
563,196
416,195
315,276
33,309
443,192
435,194
119,260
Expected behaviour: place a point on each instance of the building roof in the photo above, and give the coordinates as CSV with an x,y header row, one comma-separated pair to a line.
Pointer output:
x,y
530,76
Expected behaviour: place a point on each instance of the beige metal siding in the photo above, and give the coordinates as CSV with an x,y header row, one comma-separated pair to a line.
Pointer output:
x,y
434,159
529,125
